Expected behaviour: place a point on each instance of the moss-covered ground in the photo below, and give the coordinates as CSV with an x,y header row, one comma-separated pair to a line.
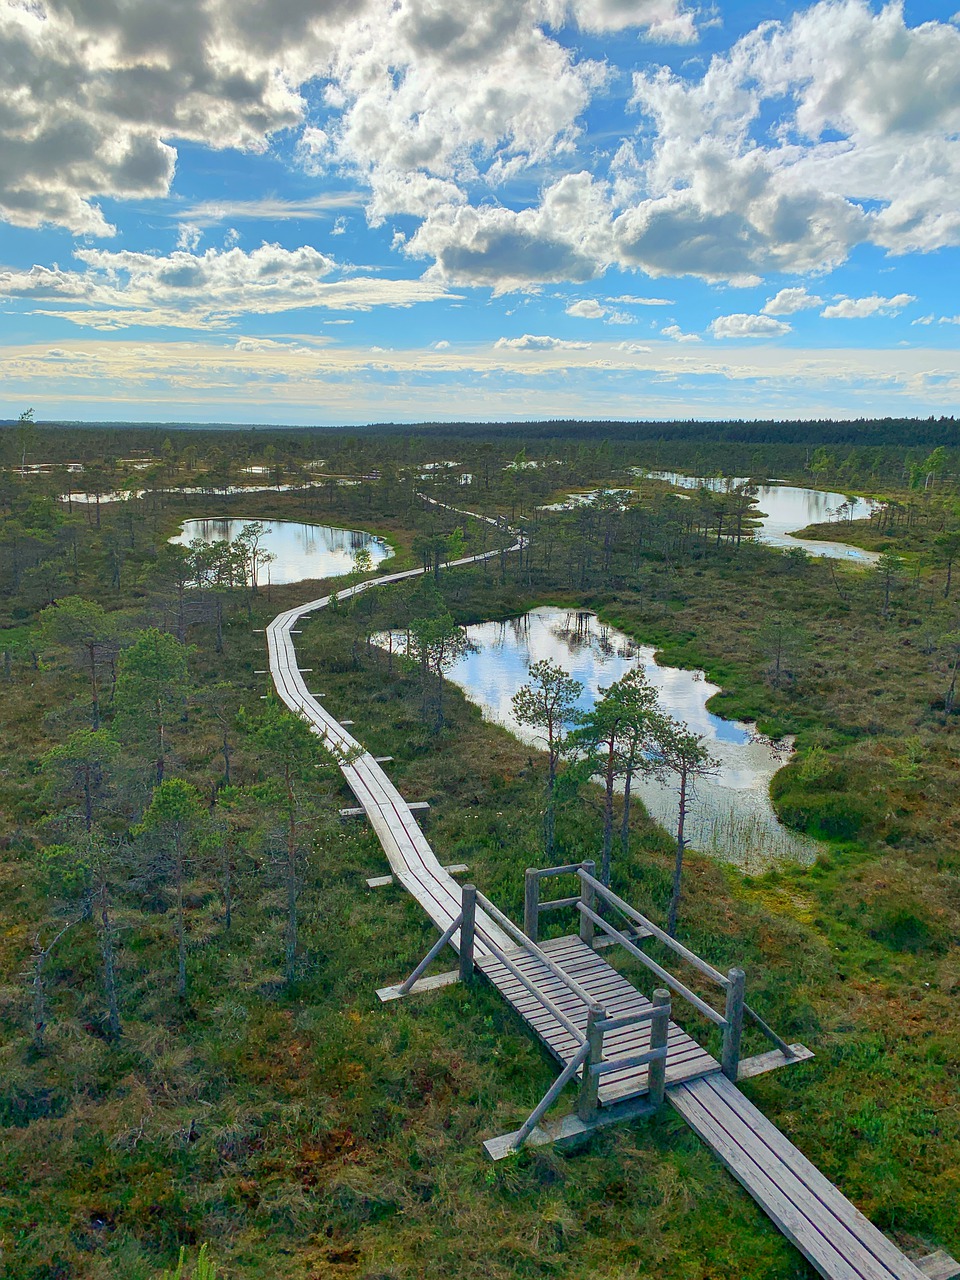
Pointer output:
x,y
313,1133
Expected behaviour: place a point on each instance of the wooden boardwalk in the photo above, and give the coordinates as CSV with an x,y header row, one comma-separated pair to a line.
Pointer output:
x,y
619,998
411,858
566,975
829,1231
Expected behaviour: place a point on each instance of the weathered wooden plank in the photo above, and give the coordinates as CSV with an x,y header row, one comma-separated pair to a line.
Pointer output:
x,y
554,988
939,1266
810,1177
567,1129
422,984
762,1155
676,1074
680,1065
380,882
763,1062
816,1247
619,1004
600,976
685,1057
360,812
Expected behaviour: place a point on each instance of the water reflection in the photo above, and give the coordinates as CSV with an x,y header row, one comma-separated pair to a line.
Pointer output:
x,y
733,817
301,550
112,495
207,491
622,498
786,508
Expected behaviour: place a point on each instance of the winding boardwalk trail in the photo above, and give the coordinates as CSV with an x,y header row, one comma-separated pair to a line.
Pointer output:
x,y
813,1214
413,862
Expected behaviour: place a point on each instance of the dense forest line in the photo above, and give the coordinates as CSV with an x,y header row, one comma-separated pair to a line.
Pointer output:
x,y
868,432
192,1051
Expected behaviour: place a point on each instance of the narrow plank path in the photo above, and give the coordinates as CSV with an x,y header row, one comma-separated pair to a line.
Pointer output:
x,y
829,1231
412,861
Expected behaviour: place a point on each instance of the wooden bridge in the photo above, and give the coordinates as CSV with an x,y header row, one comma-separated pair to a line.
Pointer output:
x,y
624,1051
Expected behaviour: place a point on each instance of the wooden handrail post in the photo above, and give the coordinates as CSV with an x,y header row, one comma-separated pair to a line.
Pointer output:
x,y
659,1030
531,904
730,1059
590,1084
588,897
468,902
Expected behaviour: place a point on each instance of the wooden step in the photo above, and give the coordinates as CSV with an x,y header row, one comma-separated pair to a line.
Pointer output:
x,y
359,812
380,882
939,1266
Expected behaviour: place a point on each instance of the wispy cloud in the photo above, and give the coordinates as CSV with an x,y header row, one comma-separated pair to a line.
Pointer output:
x,y
202,290
212,213
631,300
419,381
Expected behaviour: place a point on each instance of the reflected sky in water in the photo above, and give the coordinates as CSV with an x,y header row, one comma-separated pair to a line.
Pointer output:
x,y
732,818
592,653
787,508
301,550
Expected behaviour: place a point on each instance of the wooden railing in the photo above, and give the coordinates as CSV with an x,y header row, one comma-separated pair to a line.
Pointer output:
x,y
588,1059
532,905
733,983
589,1056
654,1058
532,949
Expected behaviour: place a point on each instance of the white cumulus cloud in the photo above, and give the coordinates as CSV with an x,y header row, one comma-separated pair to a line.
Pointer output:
x,y
560,240
658,16
676,333
591,309
417,97
862,148
587,309
539,342
859,308
811,135
741,325
789,301
91,94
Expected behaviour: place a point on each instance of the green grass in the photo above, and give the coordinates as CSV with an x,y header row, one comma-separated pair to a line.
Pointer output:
x,y
315,1133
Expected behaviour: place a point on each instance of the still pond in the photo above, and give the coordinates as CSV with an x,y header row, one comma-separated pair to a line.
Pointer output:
x,y
786,508
732,817
301,551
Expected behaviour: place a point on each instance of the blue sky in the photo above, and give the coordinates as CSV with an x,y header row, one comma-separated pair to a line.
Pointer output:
x,y
364,210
